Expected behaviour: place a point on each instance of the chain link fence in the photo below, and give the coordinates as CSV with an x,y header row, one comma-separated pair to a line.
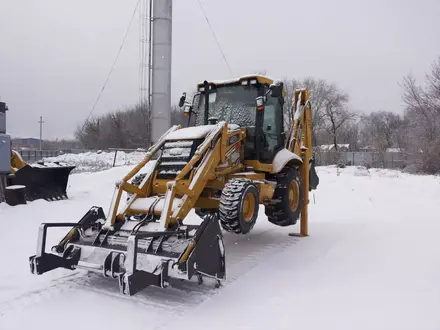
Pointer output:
x,y
390,160
97,160
37,155
112,157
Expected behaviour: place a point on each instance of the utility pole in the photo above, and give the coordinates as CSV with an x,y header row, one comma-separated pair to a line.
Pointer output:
x,y
41,122
155,52
161,26
145,65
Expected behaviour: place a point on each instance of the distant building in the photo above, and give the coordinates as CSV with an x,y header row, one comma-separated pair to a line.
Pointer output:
x,y
331,147
25,143
367,148
395,150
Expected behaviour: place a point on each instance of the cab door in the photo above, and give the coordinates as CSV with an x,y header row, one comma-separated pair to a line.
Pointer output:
x,y
272,130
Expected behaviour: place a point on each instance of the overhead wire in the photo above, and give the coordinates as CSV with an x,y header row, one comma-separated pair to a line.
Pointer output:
x,y
113,65
123,43
215,37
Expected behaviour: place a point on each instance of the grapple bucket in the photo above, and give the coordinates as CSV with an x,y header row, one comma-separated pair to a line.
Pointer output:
x,y
47,182
138,253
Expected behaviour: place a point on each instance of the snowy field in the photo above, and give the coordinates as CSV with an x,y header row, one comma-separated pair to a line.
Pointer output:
x,y
372,261
98,161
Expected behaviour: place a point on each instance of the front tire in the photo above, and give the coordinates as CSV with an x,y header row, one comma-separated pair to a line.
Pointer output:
x,y
290,198
239,204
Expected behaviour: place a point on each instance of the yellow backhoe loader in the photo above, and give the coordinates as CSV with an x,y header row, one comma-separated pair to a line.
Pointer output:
x,y
46,181
235,156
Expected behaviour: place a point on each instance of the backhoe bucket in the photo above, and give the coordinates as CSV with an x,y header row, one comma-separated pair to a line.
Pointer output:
x,y
47,182
138,253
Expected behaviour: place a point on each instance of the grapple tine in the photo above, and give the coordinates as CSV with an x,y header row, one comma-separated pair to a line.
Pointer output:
x,y
148,257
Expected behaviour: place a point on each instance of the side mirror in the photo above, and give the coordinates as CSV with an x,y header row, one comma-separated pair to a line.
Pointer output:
x,y
182,100
277,89
260,101
187,109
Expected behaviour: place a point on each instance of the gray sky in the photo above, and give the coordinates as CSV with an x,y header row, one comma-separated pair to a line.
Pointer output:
x,y
55,54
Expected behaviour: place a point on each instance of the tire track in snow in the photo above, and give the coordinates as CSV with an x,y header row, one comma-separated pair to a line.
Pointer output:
x,y
38,294
243,253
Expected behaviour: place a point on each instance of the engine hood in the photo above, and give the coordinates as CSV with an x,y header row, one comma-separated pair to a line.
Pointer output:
x,y
190,133
196,132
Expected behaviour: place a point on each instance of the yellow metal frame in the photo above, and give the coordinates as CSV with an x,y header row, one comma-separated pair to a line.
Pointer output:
x,y
214,170
300,142
216,167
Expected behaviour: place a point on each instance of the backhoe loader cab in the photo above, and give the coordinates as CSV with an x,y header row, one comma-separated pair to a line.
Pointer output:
x,y
232,159
250,103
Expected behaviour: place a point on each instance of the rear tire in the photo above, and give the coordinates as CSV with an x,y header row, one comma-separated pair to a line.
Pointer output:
x,y
290,198
239,204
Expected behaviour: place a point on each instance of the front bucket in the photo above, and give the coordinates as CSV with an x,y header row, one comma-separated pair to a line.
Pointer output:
x,y
138,253
47,182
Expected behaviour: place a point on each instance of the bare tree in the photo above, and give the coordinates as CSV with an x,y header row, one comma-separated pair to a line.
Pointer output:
x,y
127,128
336,117
90,133
349,133
423,115
322,94
382,130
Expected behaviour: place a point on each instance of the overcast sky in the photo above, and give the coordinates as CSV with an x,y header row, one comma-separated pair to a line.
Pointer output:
x,y
55,54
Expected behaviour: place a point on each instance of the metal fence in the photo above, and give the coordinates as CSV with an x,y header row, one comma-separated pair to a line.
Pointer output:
x,y
369,159
323,158
36,155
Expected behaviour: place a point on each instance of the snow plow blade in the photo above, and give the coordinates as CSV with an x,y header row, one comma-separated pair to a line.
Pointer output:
x,y
46,182
137,253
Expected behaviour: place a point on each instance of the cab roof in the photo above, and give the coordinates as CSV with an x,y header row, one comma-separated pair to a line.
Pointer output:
x,y
260,78
264,80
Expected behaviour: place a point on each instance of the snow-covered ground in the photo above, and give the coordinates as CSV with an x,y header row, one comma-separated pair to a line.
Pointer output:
x,y
98,161
372,261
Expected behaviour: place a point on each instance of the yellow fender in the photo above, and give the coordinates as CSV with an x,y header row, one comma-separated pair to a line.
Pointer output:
x,y
282,158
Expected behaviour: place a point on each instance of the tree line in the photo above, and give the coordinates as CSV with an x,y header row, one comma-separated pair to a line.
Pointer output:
x,y
126,129
415,132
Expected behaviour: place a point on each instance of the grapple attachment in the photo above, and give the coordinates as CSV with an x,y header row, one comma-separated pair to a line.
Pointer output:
x,y
42,181
137,252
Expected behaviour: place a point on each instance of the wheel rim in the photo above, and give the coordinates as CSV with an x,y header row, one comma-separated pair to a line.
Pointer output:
x,y
293,195
248,207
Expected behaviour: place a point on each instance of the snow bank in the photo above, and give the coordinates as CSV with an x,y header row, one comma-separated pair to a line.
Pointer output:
x,y
97,161
372,261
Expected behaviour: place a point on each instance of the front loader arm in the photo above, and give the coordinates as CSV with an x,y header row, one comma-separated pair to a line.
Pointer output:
x,y
123,185
210,150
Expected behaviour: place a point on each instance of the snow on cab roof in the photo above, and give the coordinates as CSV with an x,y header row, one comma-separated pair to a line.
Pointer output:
x,y
261,78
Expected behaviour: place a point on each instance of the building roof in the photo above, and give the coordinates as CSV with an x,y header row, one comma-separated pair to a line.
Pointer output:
x,y
327,147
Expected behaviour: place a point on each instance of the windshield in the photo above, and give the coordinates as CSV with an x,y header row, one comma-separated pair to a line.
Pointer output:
x,y
233,104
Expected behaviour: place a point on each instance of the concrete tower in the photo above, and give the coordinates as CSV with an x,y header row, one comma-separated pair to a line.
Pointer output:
x,y
161,50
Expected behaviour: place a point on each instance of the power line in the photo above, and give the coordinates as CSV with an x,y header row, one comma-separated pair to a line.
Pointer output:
x,y
215,37
111,69
114,62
